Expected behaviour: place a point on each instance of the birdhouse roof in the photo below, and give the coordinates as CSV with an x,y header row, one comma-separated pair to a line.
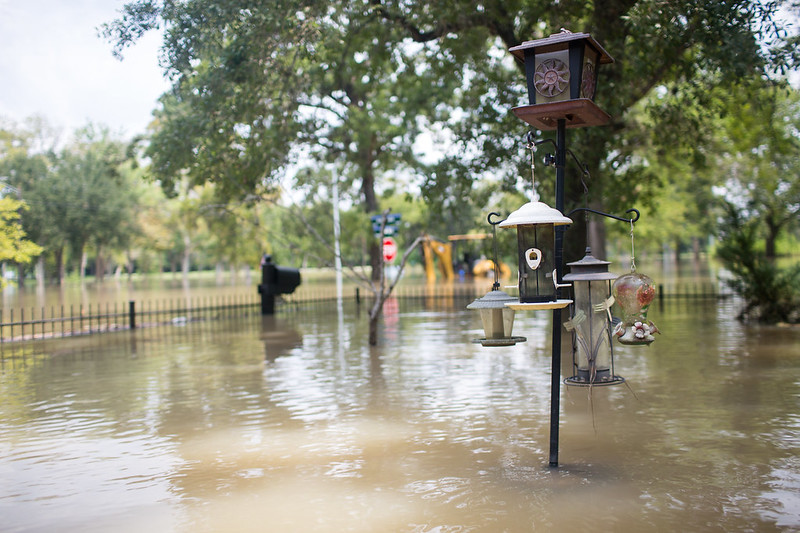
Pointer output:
x,y
556,41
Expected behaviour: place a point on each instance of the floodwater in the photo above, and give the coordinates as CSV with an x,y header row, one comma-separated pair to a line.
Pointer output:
x,y
293,423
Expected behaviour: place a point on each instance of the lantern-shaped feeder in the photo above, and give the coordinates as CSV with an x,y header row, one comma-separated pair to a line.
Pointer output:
x,y
561,72
538,283
497,319
634,292
592,352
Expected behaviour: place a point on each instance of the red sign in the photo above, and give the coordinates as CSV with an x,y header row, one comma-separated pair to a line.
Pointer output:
x,y
389,249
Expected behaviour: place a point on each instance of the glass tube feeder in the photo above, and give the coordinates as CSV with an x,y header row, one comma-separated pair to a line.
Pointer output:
x,y
592,350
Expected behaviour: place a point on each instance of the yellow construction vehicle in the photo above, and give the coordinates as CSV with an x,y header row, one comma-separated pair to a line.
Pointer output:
x,y
443,251
485,267
482,267
435,249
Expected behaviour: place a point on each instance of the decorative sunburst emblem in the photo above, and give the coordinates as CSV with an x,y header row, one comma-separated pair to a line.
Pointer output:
x,y
551,78
587,83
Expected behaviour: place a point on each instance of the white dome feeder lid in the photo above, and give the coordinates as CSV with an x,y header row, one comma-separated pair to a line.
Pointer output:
x,y
535,213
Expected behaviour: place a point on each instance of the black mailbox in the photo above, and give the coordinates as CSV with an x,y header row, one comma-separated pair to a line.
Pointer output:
x,y
275,280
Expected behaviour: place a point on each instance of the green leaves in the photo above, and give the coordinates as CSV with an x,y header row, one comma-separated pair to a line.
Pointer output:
x,y
14,245
262,89
771,294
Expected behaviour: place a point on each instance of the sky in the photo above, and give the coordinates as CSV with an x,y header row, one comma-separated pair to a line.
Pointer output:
x,y
54,64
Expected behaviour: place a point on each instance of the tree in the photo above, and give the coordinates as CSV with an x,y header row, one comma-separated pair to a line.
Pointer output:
x,y
252,85
97,201
189,227
14,246
352,82
759,155
27,162
147,234
79,198
684,46
234,232
771,294
671,183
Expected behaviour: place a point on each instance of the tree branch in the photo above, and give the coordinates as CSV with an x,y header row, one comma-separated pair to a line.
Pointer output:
x,y
463,22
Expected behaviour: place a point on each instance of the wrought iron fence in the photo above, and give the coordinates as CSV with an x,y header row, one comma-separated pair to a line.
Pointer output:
x,y
687,292
67,321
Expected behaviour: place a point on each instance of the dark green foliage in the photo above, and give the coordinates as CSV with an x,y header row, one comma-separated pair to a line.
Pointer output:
x,y
771,294
262,89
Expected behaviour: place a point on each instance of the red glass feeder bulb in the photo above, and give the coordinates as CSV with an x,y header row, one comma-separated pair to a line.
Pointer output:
x,y
634,293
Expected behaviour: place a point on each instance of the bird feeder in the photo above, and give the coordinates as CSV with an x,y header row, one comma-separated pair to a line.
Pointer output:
x,y
634,292
592,352
538,283
497,318
561,72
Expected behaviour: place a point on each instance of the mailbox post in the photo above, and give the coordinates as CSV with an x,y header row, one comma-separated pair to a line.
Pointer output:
x,y
275,280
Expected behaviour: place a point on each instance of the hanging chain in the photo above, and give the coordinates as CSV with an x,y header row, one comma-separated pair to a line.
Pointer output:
x,y
532,147
633,254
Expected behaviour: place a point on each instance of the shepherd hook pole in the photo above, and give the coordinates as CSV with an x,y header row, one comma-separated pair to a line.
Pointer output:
x,y
555,382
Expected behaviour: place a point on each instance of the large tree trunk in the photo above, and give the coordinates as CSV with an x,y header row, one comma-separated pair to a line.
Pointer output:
x,y
374,319
597,234
369,155
696,249
99,265
579,236
59,257
769,240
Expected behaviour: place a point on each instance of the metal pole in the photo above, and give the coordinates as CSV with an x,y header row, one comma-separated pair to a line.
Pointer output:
x,y
337,234
132,314
555,380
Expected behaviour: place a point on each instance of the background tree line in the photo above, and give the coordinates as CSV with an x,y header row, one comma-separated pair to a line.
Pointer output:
x,y
406,105
88,208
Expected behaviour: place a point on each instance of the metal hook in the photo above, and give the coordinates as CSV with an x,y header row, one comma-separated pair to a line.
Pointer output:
x,y
638,214
496,265
493,214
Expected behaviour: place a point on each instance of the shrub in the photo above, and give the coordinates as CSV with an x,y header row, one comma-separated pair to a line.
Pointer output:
x,y
771,294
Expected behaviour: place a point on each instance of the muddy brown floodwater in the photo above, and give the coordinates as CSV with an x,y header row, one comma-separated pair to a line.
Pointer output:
x,y
294,424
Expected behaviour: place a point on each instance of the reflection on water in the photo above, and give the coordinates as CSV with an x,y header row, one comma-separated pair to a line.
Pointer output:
x,y
293,423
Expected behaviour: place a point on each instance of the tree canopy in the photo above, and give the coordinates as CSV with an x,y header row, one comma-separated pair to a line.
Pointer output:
x,y
262,87
758,155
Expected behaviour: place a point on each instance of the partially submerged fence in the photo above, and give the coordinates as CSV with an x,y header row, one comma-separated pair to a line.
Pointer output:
x,y
677,292
73,320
